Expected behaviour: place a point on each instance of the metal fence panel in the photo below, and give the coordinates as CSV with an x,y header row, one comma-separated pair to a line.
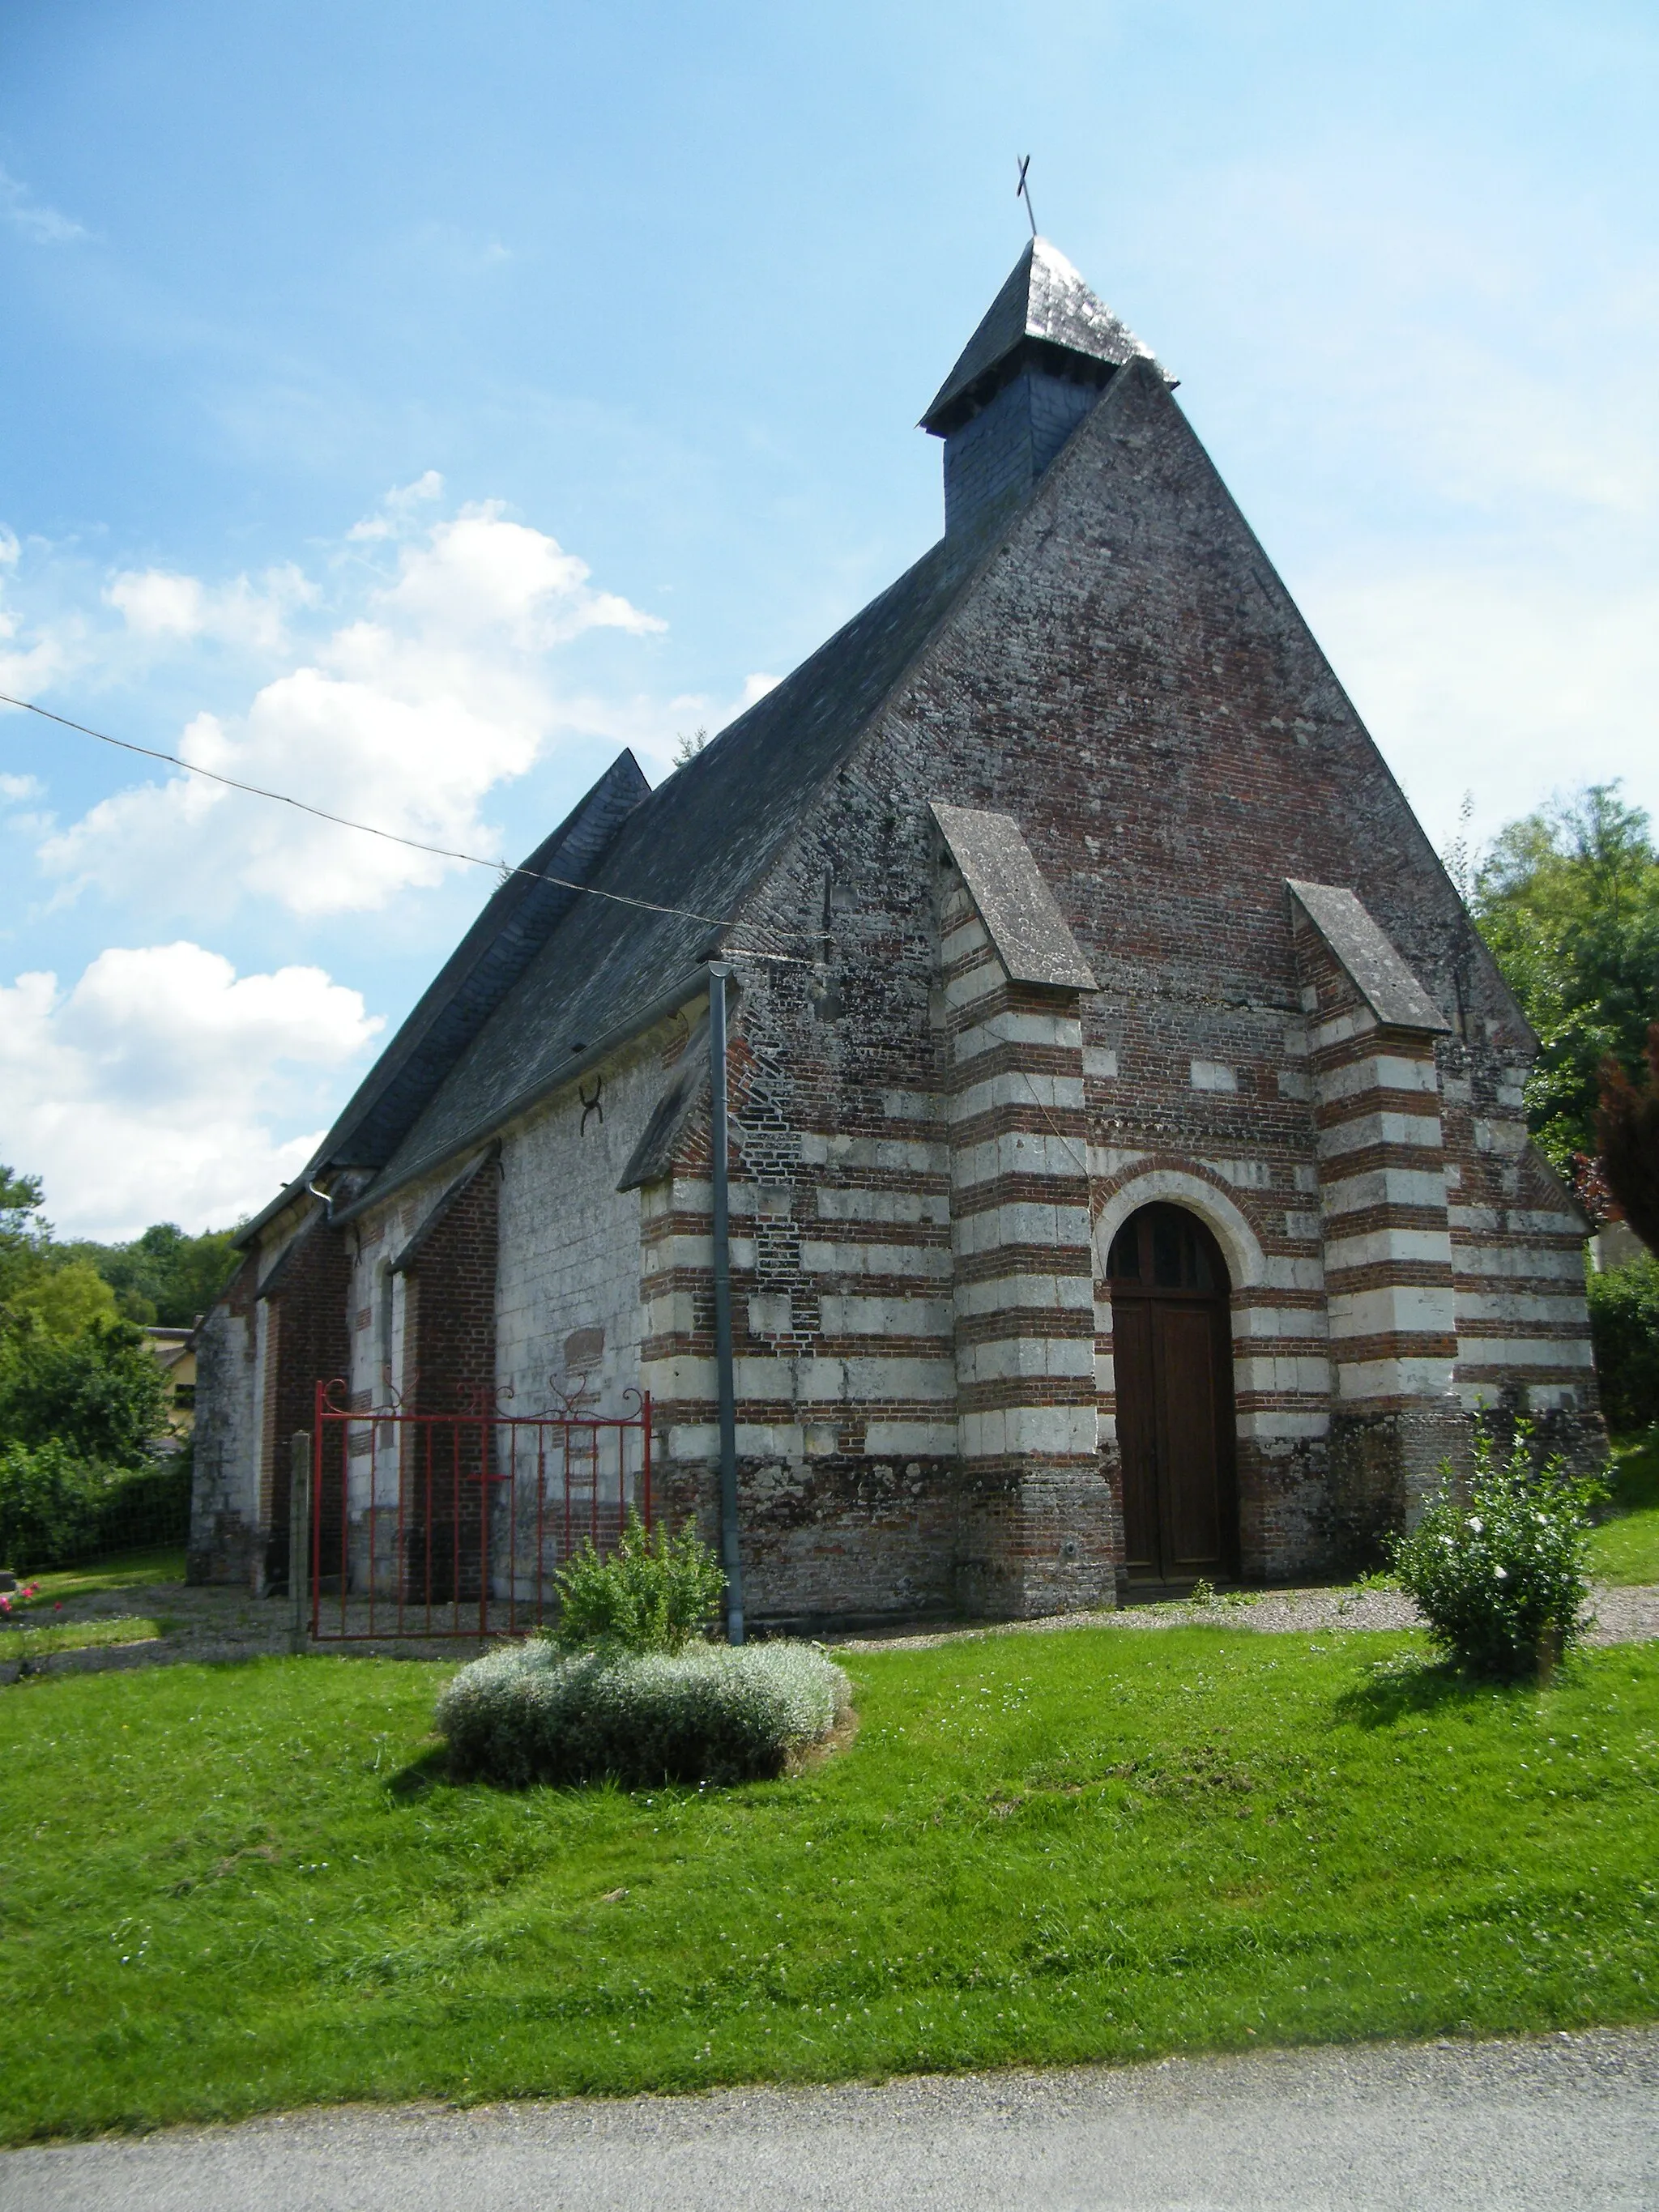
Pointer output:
x,y
454,1525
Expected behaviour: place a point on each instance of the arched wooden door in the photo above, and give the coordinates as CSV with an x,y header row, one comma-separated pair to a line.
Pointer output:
x,y
1172,1360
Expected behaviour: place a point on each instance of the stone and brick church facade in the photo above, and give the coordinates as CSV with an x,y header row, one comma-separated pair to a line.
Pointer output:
x,y
1129,1178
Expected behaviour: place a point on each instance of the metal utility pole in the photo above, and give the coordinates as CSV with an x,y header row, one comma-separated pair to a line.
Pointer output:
x,y
719,1142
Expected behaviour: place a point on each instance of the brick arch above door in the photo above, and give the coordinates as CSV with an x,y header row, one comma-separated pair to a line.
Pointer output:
x,y
1202,1194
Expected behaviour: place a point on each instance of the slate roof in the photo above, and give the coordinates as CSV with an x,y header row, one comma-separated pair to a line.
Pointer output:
x,y
1045,302
516,923
702,841
1032,938
1381,976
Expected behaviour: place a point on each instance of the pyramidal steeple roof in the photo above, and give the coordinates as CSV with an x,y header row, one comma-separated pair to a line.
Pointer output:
x,y
1045,302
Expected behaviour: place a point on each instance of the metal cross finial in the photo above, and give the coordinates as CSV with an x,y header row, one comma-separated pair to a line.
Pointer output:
x,y
1022,191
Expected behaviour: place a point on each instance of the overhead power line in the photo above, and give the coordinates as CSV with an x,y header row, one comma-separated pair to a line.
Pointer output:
x,y
392,837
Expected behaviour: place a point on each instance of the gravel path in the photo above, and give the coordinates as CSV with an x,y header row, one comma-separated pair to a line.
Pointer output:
x,y
1567,2121
220,1624
1622,1616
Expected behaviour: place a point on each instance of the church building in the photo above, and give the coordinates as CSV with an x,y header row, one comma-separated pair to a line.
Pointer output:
x,y
1129,1176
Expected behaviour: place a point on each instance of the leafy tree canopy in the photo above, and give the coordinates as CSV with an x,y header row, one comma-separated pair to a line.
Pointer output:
x,y
25,1242
72,1372
162,1276
100,1392
1567,899
62,1296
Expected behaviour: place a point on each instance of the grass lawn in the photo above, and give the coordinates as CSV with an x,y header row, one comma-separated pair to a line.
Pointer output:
x,y
1626,1549
224,1889
33,1643
131,1570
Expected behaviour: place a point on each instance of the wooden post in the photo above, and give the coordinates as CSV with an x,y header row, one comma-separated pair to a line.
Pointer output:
x,y
299,1535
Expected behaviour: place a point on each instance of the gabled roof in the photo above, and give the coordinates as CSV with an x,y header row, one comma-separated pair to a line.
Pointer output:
x,y
698,844
516,923
1045,302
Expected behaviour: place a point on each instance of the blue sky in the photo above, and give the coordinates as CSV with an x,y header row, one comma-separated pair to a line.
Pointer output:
x,y
409,405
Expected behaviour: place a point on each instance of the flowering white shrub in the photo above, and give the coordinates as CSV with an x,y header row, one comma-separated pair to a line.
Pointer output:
x,y
531,1713
1499,1575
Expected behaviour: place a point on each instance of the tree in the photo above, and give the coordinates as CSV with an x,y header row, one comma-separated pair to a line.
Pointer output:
x,y
100,1392
162,1276
36,1288
20,1230
64,1296
1628,1127
1567,900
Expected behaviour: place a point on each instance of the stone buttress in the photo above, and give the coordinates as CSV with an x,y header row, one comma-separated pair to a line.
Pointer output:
x,y
1387,1230
1036,1520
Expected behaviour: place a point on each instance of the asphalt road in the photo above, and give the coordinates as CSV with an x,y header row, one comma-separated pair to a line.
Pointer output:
x,y
1568,2122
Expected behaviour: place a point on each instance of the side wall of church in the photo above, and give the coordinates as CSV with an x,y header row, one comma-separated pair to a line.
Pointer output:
x,y
569,1321
278,1324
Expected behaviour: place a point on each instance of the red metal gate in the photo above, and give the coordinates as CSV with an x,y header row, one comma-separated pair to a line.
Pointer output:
x,y
454,1524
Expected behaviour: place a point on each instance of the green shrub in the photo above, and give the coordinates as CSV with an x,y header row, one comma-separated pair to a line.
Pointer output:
x,y
1624,1310
143,1508
710,1713
100,1393
1500,1575
57,1507
654,1592
49,1505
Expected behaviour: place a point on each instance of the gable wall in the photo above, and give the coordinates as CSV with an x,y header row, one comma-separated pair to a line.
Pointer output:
x,y
1129,680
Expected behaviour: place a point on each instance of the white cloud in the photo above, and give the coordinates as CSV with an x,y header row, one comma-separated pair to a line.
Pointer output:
x,y
163,1087
439,686
398,509
14,790
158,603
26,666
41,224
479,574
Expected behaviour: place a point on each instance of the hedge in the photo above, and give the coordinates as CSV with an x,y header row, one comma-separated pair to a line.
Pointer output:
x,y
56,1508
1624,1307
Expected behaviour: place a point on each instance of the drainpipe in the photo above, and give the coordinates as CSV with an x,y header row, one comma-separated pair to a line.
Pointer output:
x,y
719,1146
